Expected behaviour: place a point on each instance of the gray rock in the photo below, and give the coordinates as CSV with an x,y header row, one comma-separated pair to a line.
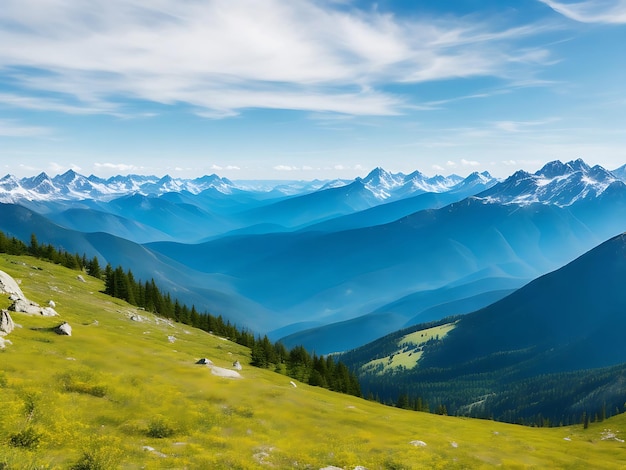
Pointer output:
x,y
32,308
9,286
205,361
25,306
6,322
80,278
48,312
64,329
237,365
51,303
4,342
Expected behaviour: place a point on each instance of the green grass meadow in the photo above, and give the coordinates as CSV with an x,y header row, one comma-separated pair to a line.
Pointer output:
x,y
119,394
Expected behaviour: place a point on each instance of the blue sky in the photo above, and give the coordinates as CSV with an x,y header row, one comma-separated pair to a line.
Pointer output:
x,y
303,89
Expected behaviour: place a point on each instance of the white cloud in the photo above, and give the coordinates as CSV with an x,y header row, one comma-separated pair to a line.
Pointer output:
x,y
522,126
116,166
596,11
11,128
450,164
437,168
49,104
284,168
221,57
465,162
232,167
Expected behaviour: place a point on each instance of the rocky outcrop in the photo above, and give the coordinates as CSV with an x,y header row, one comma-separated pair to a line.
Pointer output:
x,y
20,303
6,322
9,286
32,308
205,361
64,329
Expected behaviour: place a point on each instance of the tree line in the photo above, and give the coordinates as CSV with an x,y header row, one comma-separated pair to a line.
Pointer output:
x,y
120,283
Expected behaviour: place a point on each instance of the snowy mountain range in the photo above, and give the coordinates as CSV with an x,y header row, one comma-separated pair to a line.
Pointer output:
x,y
557,183
73,186
343,258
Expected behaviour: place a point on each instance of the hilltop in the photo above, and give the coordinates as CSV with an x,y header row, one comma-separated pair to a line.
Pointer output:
x,y
120,393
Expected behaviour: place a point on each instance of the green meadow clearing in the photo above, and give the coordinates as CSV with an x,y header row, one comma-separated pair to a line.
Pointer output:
x,y
128,394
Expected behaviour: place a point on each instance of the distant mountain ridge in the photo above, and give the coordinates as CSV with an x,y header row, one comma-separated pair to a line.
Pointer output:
x,y
569,321
323,254
557,183
71,185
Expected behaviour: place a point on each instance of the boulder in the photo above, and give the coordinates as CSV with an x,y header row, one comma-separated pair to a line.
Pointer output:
x,y
48,312
51,303
237,365
205,361
80,278
4,342
9,286
171,339
64,329
6,322
32,308
25,306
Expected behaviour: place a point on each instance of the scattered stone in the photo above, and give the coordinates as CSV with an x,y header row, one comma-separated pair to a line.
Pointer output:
x,y
567,438
221,372
608,435
454,444
9,286
64,329
4,342
171,339
51,303
137,318
6,322
262,454
360,467
331,467
205,361
80,278
418,443
237,365
293,384
48,312
154,451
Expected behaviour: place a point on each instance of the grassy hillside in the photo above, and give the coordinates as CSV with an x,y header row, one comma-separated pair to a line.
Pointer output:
x,y
119,394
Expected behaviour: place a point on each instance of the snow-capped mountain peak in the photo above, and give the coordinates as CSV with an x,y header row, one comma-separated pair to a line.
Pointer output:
x,y
557,183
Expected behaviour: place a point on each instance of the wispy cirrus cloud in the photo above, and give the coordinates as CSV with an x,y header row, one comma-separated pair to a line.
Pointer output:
x,y
122,167
12,128
595,11
221,57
